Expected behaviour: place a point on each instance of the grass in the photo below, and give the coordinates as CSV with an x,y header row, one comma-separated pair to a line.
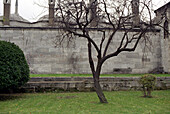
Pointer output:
x,y
102,75
120,102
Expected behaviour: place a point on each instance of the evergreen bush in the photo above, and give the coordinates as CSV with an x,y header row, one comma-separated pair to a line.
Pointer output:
x,y
14,70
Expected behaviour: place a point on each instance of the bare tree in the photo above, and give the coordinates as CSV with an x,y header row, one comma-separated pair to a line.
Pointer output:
x,y
79,17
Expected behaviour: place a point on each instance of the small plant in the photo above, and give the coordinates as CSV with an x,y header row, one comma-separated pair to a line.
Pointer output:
x,y
14,70
148,83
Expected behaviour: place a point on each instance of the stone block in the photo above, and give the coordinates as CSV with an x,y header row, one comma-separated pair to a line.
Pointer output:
x,y
42,68
132,55
42,50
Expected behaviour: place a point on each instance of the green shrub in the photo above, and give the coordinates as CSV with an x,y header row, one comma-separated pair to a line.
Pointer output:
x,y
14,70
148,83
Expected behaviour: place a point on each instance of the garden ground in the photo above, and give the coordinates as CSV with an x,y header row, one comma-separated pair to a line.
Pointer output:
x,y
86,103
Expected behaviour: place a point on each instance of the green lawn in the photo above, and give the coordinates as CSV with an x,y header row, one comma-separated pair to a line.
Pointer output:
x,y
112,75
120,102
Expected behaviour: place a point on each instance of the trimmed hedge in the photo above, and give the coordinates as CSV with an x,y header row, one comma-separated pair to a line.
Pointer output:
x,y
14,70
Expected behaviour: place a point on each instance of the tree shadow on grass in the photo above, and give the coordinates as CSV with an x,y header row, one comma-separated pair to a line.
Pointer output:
x,y
98,103
6,97
151,97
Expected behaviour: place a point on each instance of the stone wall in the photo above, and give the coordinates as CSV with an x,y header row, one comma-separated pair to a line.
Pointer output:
x,y
165,49
165,46
86,83
45,55
165,39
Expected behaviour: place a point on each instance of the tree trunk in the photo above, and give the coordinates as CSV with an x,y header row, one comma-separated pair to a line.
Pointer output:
x,y
149,92
99,91
96,75
144,91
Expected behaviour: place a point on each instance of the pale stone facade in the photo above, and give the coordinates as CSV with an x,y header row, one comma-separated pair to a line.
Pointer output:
x,y
38,41
165,39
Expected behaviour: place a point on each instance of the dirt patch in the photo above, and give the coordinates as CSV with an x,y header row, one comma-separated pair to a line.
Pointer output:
x,y
66,97
94,102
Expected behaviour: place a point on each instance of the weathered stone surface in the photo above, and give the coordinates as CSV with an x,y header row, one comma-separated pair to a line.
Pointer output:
x,y
42,48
